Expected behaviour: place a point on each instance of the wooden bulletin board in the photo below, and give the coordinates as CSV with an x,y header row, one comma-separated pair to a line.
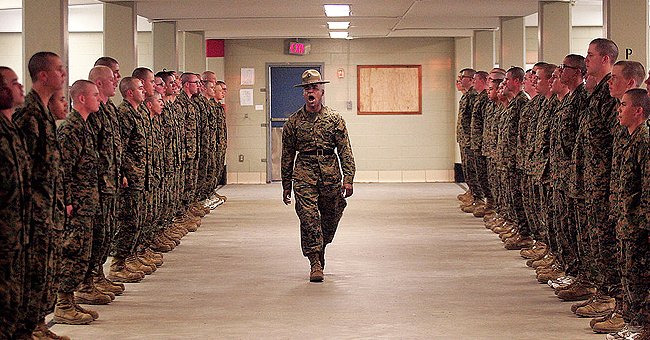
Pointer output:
x,y
389,89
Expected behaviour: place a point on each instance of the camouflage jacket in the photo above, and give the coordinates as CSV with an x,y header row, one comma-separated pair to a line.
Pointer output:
x,y
632,184
593,138
106,133
601,126
478,121
488,121
148,134
308,131
157,152
39,129
464,123
80,160
170,161
134,141
508,132
222,130
564,128
495,123
15,192
526,130
206,137
539,166
191,114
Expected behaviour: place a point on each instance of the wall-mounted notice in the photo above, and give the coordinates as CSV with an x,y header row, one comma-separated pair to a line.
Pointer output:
x,y
247,76
246,97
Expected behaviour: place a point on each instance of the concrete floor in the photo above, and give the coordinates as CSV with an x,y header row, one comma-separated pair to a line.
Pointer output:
x,y
406,263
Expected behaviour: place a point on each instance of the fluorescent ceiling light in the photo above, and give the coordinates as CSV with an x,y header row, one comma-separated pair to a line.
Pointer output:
x,y
339,35
338,25
337,10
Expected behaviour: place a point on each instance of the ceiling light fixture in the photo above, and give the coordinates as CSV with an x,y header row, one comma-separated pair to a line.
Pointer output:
x,y
339,35
338,25
337,10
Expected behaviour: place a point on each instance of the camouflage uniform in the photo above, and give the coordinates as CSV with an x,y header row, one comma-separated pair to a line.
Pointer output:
x,y
80,159
47,216
316,178
564,128
147,228
476,143
463,136
489,114
170,166
15,209
490,144
157,176
630,185
134,162
206,140
192,147
507,162
222,145
525,144
106,130
601,123
539,168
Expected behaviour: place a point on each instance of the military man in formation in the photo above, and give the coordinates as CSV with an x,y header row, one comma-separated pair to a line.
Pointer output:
x,y
567,175
125,181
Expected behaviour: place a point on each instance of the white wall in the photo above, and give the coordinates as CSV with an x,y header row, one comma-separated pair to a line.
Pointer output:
x,y
387,148
580,39
85,48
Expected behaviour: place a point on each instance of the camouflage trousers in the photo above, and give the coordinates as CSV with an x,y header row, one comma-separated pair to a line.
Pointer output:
x,y
567,233
130,217
220,166
493,180
77,248
603,243
319,208
529,197
191,176
42,266
149,225
634,264
503,177
12,274
514,188
482,175
469,171
547,229
587,269
104,228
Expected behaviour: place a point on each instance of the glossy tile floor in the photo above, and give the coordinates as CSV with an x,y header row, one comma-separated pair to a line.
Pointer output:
x,y
406,263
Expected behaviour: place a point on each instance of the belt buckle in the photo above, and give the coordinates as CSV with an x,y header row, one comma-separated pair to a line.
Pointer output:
x,y
320,152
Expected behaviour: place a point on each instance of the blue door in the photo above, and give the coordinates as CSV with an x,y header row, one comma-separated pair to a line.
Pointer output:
x,y
283,100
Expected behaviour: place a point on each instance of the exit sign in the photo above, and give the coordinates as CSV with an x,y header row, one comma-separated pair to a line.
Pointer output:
x,y
297,46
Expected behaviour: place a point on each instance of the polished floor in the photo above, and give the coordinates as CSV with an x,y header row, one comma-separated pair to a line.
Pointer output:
x,y
406,263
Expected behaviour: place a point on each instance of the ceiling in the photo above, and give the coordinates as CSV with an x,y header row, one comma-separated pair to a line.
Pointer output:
x,y
242,19
306,18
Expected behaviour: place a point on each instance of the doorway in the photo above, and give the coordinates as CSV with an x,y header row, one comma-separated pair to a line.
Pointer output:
x,y
282,100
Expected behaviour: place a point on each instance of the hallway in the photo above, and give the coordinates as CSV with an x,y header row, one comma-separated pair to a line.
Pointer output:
x,y
406,263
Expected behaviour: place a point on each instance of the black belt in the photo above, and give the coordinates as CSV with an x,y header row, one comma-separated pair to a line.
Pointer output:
x,y
319,152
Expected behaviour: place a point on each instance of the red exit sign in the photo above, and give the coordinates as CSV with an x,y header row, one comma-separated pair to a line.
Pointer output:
x,y
297,47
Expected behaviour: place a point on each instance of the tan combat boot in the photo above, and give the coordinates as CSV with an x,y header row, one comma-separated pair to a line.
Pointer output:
x,y
66,313
105,285
153,256
611,324
145,261
44,333
90,312
598,306
90,295
120,273
316,272
539,249
576,292
132,264
519,242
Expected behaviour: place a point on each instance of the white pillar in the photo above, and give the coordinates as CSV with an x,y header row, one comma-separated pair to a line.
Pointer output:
x,y
165,45
626,23
120,34
194,51
554,31
484,50
45,28
513,42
